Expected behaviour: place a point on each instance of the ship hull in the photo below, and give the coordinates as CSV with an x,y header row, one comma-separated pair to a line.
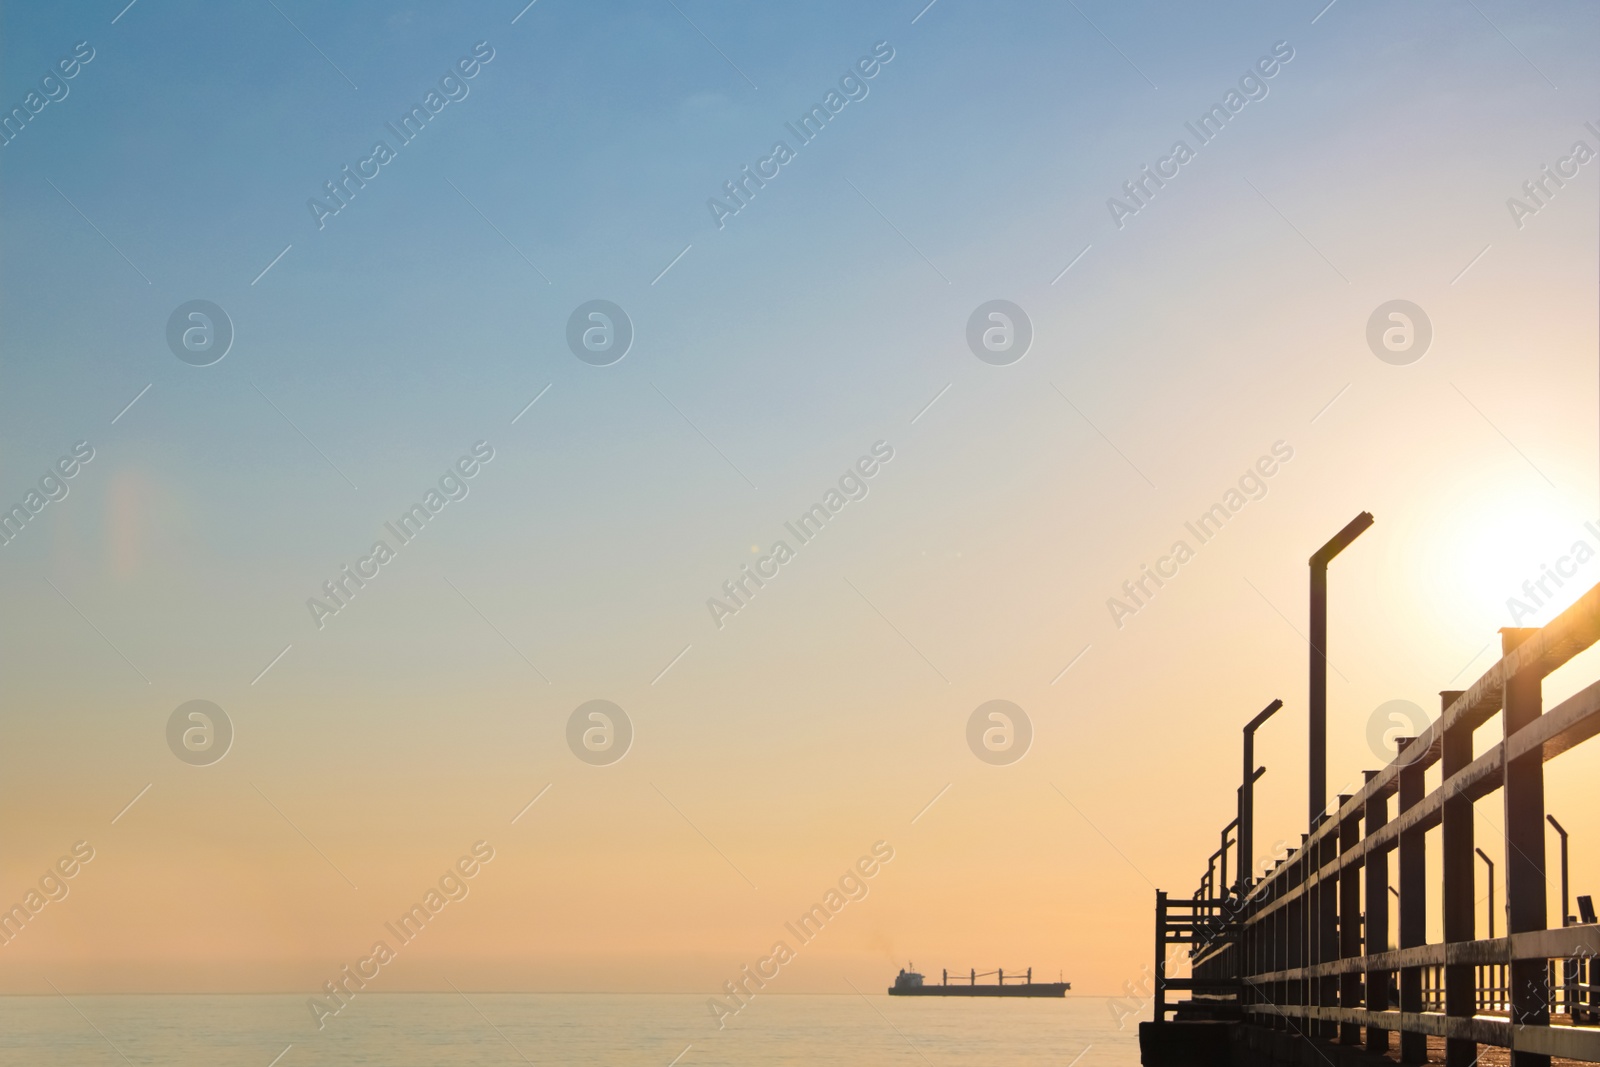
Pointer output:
x,y
1035,989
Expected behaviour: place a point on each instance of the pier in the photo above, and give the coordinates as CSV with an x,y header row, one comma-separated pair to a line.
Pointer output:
x,y
1297,966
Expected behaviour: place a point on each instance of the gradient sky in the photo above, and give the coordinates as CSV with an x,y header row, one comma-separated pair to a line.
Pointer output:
x,y
824,317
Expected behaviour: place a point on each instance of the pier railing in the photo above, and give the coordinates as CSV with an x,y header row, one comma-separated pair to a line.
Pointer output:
x,y
1307,948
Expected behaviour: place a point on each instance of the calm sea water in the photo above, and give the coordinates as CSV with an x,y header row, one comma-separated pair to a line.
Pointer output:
x,y
448,1030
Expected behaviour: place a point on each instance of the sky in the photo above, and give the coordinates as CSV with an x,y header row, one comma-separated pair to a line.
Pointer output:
x,y
1179,338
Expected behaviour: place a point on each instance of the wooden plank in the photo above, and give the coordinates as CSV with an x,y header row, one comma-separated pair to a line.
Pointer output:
x,y
1532,945
1558,730
1569,1042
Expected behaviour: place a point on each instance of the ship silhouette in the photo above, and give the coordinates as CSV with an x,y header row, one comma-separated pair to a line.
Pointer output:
x,y
911,984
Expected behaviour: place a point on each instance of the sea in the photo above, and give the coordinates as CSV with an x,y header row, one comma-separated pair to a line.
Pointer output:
x,y
507,1029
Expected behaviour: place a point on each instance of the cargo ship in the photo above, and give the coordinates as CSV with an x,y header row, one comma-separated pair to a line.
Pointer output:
x,y
911,984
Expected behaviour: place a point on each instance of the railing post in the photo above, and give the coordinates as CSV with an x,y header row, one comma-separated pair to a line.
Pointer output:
x,y
1160,1014
1300,934
1376,869
1460,896
1327,993
1413,900
1248,963
1312,854
1283,929
1349,923
1376,927
1524,856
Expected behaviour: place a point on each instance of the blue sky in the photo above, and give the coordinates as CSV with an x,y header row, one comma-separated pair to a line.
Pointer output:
x,y
823,317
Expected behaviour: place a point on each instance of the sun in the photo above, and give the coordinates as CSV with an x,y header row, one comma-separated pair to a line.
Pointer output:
x,y
1522,559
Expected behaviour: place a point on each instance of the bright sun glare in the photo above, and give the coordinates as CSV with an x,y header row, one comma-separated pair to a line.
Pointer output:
x,y
1523,561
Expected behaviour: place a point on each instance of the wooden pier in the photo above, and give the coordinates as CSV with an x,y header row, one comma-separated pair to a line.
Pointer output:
x,y
1297,967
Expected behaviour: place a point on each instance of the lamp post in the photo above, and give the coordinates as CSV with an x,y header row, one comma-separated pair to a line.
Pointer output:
x,y
1495,969
1566,901
1222,877
1247,798
1489,863
1318,706
1569,975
